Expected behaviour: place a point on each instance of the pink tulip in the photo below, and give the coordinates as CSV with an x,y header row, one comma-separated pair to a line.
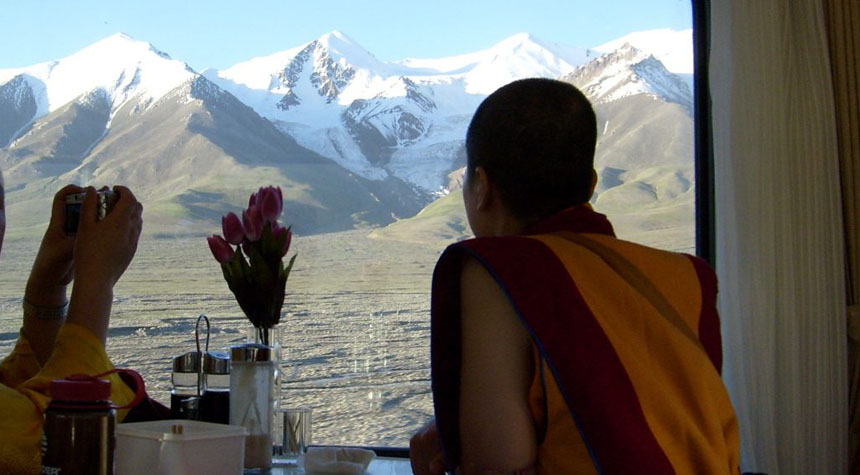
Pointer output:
x,y
253,200
253,223
279,233
232,228
270,205
221,250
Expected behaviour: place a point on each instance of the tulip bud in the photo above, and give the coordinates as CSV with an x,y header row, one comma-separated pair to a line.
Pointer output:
x,y
269,205
277,191
281,235
252,201
278,231
221,250
253,223
232,228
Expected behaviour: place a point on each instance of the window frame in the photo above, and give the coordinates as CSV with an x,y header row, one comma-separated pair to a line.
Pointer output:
x,y
703,156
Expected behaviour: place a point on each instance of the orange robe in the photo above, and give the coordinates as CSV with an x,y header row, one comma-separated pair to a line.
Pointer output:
x,y
624,381
24,392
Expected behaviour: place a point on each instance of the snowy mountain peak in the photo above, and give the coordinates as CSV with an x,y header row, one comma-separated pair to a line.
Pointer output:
x,y
628,71
626,54
123,67
518,56
516,40
673,48
327,74
339,43
324,67
121,42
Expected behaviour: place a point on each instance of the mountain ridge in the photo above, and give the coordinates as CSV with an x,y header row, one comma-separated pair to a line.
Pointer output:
x,y
388,136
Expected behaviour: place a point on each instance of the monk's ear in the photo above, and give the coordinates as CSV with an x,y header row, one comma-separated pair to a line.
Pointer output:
x,y
483,189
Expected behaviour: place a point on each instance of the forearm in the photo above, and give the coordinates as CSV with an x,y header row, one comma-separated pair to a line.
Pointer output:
x,y
90,306
43,315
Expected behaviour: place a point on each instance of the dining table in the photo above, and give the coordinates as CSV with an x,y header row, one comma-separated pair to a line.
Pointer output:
x,y
379,466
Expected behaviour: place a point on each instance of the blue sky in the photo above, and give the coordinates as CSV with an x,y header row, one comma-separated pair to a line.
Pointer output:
x,y
220,33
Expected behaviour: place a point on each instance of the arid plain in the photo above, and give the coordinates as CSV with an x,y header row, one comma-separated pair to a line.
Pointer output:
x,y
355,333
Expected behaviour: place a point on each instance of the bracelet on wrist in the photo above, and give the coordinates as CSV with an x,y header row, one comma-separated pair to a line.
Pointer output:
x,y
45,313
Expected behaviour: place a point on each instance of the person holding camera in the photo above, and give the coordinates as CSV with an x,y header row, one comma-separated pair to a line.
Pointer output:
x,y
59,336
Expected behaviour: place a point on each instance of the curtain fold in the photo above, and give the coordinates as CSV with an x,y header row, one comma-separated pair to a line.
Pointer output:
x,y
780,248
843,28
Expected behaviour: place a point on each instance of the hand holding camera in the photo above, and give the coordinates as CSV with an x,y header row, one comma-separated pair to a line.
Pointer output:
x,y
107,234
95,253
52,269
107,198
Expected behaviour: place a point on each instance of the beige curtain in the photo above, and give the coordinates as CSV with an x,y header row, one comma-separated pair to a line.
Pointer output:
x,y
843,28
779,230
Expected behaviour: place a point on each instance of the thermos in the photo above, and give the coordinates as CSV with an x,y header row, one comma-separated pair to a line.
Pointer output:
x,y
79,427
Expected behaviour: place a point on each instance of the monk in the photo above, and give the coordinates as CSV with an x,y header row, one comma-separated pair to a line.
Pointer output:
x,y
59,336
556,347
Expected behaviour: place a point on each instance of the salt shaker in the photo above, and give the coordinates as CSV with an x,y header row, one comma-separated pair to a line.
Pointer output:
x,y
252,401
80,406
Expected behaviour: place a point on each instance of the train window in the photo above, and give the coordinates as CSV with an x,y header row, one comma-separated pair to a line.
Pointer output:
x,y
358,112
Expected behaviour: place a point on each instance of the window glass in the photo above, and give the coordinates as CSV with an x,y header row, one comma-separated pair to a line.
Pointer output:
x,y
358,113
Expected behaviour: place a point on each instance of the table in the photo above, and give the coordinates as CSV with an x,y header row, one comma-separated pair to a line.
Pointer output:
x,y
379,466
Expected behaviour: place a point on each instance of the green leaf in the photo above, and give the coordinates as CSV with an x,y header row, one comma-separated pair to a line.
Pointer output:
x,y
285,272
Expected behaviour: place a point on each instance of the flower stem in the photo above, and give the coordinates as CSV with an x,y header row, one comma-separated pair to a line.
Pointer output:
x,y
263,336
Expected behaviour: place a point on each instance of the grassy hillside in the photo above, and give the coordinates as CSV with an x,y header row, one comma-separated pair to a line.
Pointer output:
x,y
443,220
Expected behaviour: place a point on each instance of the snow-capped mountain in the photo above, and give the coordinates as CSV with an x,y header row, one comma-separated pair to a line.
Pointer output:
x,y
357,141
673,48
628,71
124,68
520,56
405,119
644,156
190,157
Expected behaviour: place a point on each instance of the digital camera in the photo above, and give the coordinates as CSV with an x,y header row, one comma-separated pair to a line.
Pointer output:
x,y
107,199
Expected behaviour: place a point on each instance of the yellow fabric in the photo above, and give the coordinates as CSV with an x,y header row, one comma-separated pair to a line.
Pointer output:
x,y
24,392
561,449
20,365
685,403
